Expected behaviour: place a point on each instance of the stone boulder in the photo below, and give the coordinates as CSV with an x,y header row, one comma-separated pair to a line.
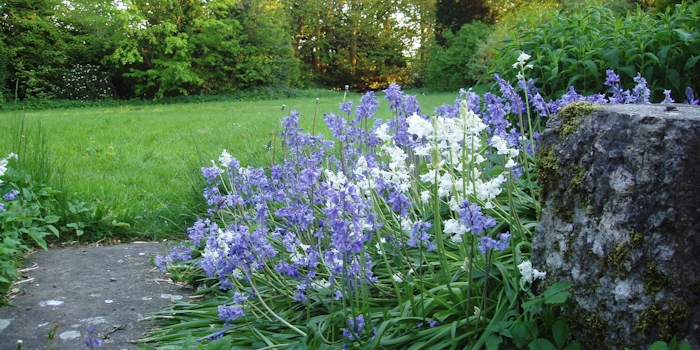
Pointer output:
x,y
620,189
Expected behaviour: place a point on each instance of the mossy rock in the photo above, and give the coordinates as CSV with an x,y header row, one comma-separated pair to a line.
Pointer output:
x,y
571,116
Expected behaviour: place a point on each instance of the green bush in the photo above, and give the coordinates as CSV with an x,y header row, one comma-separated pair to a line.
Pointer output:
x,y
26,218
452,67
577,50
87,82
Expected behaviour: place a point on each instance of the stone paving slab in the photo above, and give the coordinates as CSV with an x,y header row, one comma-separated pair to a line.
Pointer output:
x,y
108,287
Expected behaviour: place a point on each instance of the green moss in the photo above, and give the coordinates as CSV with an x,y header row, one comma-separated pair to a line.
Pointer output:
x,y
593,328
571,116
547,171
668,316
654,280
616,259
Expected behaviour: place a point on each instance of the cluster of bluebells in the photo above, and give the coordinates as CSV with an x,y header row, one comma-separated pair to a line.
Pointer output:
x,y
313,219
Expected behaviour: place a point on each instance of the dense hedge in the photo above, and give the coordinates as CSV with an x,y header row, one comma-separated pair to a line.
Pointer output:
x,y
577,49
452,67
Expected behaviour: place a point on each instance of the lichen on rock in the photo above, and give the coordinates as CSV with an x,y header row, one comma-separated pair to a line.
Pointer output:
x,y
621,221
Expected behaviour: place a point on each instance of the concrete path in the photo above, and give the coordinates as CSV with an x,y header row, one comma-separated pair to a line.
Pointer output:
x,y
108,287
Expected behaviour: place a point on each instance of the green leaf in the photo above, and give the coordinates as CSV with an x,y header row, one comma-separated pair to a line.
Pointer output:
x,y
53,229
189,342
145,347
659,345
591,67
674,78
652,57
417,345
691,62
685,36
573,346
541,344
629,70
493,342
119,224
523,333
663,53
672,343
573,79
220,344
611,56
684,346
556,293
560,332
50,219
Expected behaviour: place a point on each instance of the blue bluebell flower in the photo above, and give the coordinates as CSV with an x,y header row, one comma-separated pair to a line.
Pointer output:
x,y
690,96
472,217
9,196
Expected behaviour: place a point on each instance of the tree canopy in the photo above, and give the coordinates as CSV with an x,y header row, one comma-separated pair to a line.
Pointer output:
x,y
157,48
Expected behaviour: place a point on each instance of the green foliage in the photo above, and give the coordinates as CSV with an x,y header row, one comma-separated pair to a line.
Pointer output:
x,y
452,15
192,47
3,72
671,345
25,221
35,47
454,67
576,50
537,326
361,46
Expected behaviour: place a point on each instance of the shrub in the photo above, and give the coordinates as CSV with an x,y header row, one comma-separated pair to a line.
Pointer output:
x,y
577,49
453,67
87,82
26,218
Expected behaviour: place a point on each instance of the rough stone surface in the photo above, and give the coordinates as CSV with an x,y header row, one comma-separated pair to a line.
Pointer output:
x,y
621,221
110,288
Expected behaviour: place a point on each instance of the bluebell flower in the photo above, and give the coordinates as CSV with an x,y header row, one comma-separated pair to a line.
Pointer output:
x,y
494,115
667,97
410,105
640,93
91,340
395,96
472,218
346,107
514,101
9,196
2,207
211,174
357,325
419,235
447,111
488,244
690,96
230,313
216,335
368,106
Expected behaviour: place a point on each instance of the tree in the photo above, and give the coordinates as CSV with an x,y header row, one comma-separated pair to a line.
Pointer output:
x,y
449,67
3,72
349,42
35,45
451,15
173,47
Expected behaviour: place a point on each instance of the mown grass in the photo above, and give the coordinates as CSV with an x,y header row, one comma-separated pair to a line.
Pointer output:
x,y
141,163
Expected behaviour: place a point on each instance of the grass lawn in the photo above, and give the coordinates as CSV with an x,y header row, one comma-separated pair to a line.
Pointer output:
x,y
142,162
